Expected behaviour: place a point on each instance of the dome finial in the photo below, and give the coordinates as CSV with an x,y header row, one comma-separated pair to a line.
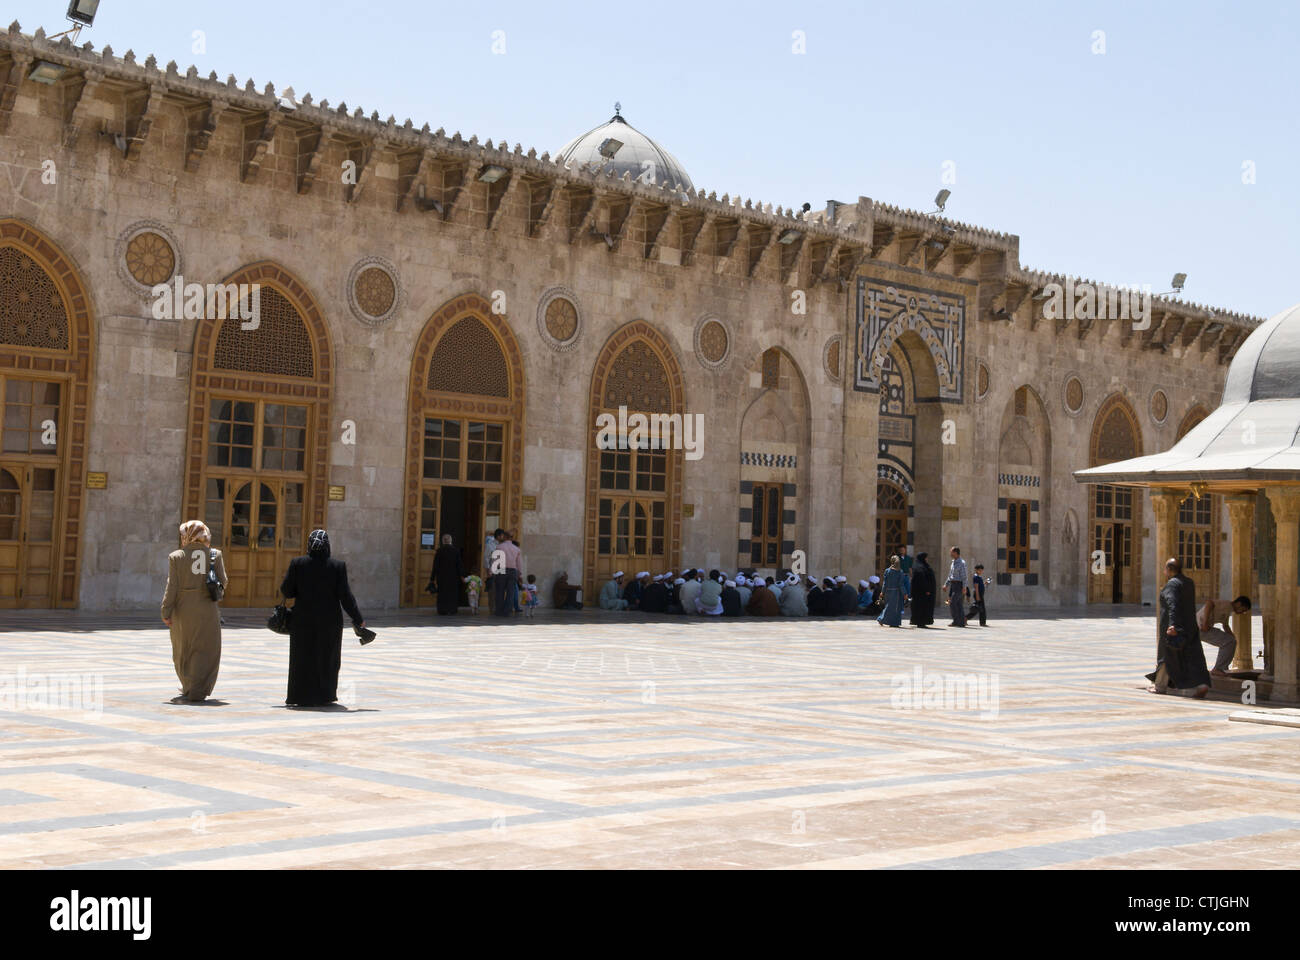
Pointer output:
x,y
618,109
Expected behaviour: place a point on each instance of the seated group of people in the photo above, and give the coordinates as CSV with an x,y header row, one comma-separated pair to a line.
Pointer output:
x,y
716,594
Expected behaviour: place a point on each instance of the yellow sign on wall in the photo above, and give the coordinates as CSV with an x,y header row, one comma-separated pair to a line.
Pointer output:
x,y
527,503
338,494
951,513
96,481
688,510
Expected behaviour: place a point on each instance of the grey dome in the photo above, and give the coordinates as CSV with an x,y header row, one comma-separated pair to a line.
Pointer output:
x,y
640,156
1267,365
1254,435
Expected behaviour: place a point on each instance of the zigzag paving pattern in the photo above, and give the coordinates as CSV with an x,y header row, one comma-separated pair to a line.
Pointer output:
x,y
616,742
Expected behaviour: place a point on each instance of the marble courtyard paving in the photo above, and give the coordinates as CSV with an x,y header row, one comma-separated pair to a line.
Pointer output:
x,y
610,742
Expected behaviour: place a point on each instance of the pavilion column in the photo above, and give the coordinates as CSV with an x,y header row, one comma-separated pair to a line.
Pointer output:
x,y
1241,514
1286,637
1165,504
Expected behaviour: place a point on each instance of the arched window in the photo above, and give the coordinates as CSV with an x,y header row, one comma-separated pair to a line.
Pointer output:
x,y
46,356
259,424
633,482
464,464
1116,511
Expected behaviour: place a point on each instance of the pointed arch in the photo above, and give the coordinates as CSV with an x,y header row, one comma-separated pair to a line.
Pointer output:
x,y
773,517
259,383
467,363
634,352
1116,513
69,361
1024,490
1191,419
1196,533
1116,432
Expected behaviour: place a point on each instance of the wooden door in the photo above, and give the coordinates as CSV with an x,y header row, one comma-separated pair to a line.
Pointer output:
x,y
891,523
27,519
630,537
258,526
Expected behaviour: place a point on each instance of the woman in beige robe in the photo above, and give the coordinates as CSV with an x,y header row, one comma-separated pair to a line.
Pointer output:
x,y
194,619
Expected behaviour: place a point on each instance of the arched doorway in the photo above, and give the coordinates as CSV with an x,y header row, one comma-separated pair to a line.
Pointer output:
x,y
773,463
1198,526
259,432
1116,512
46,355
1024,484
464,447
909,455
634,495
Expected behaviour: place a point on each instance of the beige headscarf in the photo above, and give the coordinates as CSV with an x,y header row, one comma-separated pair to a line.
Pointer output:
x,y
195,531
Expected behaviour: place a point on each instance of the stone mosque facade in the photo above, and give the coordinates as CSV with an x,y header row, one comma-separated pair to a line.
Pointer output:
x,y
442,319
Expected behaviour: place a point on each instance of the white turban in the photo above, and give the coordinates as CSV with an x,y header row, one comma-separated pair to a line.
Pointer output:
x,y
643,573
863,584
841,579
731,583
874,580
678,582
619,574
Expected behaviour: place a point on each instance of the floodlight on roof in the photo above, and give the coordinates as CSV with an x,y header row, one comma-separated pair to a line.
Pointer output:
x,y
1179,281
789,236
83,11
609,146
941,200
492,173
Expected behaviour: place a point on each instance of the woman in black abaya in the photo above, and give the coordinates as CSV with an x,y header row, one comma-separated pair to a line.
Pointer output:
x,y
447,576
320,588
923,591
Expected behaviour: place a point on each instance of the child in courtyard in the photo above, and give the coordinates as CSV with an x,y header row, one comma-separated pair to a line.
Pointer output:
x,y
473,587
530,595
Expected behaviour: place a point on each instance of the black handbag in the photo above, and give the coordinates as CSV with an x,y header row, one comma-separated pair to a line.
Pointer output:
x,y
280,620
215,590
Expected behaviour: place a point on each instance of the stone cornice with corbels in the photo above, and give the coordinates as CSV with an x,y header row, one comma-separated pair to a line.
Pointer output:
x,y
853,242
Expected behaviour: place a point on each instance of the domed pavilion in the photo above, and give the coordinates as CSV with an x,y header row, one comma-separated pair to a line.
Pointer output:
x,y
1248,450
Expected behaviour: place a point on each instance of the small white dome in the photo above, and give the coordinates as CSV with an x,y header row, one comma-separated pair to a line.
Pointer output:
x,y
638,155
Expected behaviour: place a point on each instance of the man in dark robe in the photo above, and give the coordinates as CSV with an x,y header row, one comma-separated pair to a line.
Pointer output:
x,y
731,600
633,591
1180,661
564,595
924,590
655,597
816,599
846,598
763,603
446,577
319,585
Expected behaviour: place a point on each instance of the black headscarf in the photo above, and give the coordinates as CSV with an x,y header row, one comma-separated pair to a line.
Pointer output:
x,y
920,558
318,545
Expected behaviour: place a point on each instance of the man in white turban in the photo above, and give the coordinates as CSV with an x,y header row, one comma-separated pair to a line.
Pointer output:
x,y
610,598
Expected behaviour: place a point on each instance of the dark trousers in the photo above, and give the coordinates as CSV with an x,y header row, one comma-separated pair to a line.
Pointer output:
x,y
978,607
507,591
957,602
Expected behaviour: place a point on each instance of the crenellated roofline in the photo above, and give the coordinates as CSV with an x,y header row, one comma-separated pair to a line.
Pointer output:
x,y
833,248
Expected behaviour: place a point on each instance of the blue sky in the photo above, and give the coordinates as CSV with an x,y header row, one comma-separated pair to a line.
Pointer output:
x,y
1124,166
